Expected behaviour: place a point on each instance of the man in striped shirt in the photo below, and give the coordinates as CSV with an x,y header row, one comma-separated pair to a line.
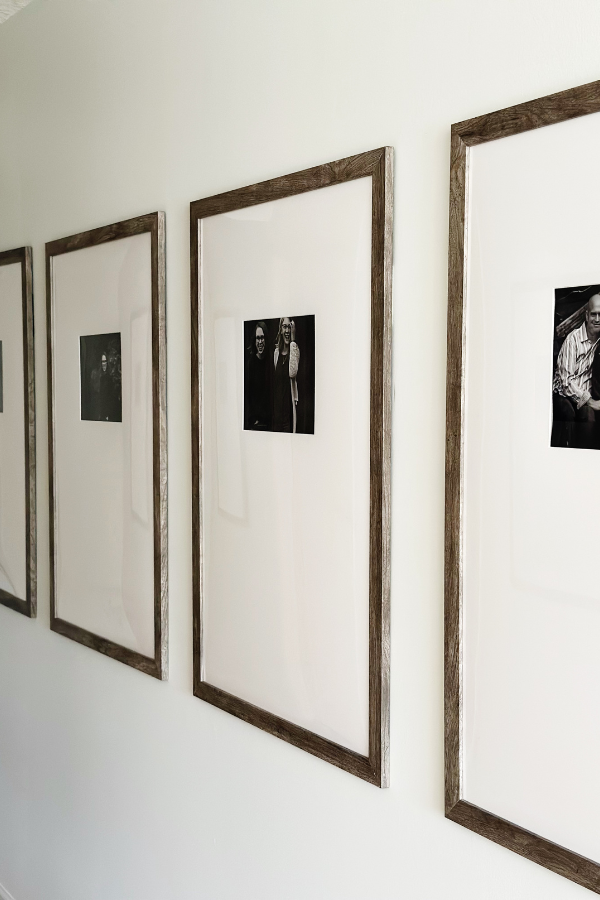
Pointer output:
x,y
575,408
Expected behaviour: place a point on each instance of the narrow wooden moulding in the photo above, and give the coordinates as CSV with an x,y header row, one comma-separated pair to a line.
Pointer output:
x,y
378,164
154,223
555,108
27,605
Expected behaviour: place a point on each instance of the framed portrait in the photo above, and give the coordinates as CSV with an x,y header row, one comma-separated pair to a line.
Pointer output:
x,y
291,330
522,474
17,434
107,440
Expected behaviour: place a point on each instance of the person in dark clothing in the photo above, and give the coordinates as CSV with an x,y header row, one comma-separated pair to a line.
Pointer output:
x,y
106,404
258,382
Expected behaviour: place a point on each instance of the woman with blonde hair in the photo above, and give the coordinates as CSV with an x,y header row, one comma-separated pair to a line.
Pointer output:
x,y
286,360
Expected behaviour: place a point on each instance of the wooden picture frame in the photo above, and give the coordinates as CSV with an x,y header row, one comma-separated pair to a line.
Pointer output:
x,y
378,165
26,605
152,224
516,120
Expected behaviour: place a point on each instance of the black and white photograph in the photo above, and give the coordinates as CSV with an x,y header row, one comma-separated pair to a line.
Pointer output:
x,y
279,374
291,337
106,337
100,356
576,370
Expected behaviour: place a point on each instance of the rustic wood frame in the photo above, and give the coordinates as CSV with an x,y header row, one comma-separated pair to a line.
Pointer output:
x,y
27,606
154,223
561,107
379,165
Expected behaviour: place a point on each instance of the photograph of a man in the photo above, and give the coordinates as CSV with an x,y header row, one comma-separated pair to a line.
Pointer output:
x,y
100,360
576,382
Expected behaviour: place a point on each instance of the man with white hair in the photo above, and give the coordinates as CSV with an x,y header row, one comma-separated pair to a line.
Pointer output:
x,y
576,412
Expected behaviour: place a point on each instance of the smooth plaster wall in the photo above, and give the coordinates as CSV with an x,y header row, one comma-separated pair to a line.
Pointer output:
x,y
112,785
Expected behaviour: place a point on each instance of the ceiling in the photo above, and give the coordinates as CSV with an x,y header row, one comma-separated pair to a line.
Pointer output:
x,y
8,7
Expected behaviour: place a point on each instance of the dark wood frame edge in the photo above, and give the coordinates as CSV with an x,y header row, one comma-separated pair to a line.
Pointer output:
x,y
155,224
553,109
545,853
28,606
379,165
294,734
107,647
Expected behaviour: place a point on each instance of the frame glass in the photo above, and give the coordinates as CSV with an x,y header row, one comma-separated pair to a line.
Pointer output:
x,y
107,440
522,601
18,566
291,328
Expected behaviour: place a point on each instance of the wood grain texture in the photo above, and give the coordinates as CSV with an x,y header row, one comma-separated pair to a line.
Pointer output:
x,y
454,436
360,166
552,856
294,734
27,605
197,450
504,123
159,448
377,164
154,223
381,380
145,664
550,110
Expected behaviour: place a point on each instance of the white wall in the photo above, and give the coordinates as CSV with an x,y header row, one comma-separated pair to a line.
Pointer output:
x,y
112,785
